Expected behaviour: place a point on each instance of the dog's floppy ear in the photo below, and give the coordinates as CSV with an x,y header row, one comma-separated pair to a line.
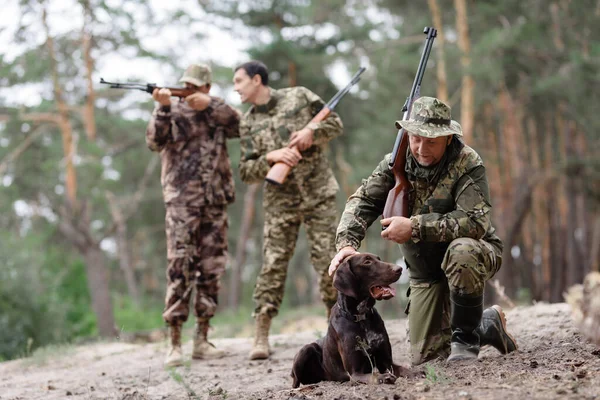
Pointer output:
x,y
345,281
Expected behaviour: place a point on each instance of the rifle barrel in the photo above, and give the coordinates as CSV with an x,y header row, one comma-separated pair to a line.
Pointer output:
x,y
146,87
415,91
342,92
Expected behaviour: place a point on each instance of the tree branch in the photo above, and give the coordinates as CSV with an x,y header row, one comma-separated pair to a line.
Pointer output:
x,y
130,205
20,149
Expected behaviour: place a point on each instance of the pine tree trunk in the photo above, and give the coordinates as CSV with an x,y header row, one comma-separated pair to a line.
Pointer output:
x,y
442,82
575,262
546,198
63,120
467,102
293,79
537,229
74,225
89,118
510,167
98,285
123,248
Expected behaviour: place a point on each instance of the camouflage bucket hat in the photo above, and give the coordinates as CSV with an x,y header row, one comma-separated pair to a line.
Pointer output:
x,y
197,74
430,118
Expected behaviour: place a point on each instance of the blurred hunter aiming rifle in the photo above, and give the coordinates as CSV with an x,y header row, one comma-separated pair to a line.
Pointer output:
x,y
397,200
280,170
149,87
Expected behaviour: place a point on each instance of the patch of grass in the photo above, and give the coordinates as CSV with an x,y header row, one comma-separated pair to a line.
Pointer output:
x,y
43,355
434,376
176,376
130,317
233,323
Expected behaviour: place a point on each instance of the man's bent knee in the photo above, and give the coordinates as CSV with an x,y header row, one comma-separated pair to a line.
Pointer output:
x,y
465,266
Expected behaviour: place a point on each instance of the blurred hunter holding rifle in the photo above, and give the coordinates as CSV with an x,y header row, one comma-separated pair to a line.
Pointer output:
x,y
280,170
281,127
434,196
190,128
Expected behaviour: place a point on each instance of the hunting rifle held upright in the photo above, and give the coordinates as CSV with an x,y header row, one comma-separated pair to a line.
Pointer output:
x,y
397,200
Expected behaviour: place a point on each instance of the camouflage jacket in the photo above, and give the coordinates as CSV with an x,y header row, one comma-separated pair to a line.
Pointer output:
x,y
193,151
268,127
447,202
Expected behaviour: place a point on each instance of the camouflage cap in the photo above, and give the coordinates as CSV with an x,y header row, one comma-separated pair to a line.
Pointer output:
x,y
430,118
197,74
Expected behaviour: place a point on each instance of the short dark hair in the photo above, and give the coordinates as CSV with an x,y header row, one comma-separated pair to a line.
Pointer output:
x,y
255,68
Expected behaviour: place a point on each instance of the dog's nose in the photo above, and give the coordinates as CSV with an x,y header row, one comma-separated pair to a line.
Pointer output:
x,y
397,268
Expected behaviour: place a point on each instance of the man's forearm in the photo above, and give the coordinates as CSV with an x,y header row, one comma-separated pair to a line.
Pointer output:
x,y
434,227
327,129
353,227
159,128
254,170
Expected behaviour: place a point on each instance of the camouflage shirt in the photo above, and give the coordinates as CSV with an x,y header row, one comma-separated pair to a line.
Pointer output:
x,y
268,127
447,202
193,150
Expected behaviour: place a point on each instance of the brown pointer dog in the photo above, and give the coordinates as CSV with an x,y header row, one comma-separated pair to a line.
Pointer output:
x,y
357,342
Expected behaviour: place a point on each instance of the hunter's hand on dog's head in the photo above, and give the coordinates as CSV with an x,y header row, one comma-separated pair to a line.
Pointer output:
x,y
344,253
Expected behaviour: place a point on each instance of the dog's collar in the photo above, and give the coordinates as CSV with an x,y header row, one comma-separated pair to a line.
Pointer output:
x,y
353,317
361,316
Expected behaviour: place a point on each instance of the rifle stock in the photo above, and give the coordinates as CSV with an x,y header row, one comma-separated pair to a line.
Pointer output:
x,y
397,200
279,171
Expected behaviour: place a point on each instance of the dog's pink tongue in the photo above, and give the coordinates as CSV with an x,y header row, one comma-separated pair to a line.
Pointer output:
x,y
392,290
383,292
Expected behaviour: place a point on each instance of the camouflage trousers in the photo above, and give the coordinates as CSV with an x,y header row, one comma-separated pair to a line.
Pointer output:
x,y
196,253
467,265
280,235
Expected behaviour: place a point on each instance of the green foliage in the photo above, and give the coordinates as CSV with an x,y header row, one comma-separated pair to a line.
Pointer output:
x,y
73,291
41,298
177,377
130,317
46,354
434,376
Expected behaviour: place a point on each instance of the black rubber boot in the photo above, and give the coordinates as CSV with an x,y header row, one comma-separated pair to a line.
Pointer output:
x,y
465,319
492,331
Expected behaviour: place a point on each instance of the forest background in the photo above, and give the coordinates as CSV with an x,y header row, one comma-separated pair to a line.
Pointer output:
x,y
82,243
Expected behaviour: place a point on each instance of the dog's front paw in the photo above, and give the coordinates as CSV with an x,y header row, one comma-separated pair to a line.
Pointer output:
x,y
387,378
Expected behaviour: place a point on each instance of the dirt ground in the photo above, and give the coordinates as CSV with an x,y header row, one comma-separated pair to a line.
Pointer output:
x,y
553,362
